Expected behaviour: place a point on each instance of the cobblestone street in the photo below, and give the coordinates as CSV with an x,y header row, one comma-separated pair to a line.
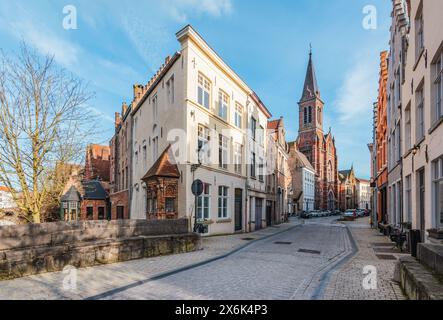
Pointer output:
x,y
313,260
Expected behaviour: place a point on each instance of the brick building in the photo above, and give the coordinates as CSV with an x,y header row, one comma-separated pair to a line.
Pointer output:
x,y
120,163
97,164
348,190
319,148
380,179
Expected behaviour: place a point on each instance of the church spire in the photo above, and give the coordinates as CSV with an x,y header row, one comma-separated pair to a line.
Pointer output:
x,y
310,89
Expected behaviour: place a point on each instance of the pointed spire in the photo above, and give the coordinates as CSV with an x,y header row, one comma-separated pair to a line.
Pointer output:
x,y
310,89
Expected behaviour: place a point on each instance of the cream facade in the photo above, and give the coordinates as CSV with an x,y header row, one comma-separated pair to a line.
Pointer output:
x,y
423,117
212,120
364,194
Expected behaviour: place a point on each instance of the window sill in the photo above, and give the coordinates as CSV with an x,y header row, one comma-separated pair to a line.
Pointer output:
x,y
419,142
436,125
220,221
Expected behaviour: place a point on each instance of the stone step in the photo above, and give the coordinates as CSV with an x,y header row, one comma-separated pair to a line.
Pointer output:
x,y
418,282
431,255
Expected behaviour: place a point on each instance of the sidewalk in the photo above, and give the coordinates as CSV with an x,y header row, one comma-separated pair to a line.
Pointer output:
x,y
96,280
346,283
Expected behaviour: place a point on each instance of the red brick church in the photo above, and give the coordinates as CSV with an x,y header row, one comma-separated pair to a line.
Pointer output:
x,y
317,146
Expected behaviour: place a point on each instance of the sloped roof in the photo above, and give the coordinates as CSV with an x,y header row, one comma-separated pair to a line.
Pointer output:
x,y
304,161
4,189
310,89
164,166
99,151
93,190
71,196
274,124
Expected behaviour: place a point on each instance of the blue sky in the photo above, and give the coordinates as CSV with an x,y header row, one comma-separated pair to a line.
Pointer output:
x,y
119,43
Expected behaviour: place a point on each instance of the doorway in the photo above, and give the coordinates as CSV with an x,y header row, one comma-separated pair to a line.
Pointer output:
x,y
258,213
421,204
238,209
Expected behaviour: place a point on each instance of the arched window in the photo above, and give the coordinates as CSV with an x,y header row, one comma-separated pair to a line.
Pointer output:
x,y
305,115
310,115
155,143
330,175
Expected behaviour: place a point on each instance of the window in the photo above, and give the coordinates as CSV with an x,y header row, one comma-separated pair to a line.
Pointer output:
x,y
408,196
398,143
222,202
101,213
170,90
154,149
310,115
223,152
204,152
223,105
203,203
253,127
238,158
170,205
420,114
305,115
408,140
204,91
145,156
419,34
238,115
90,213
260,170
438,191
437,113
152,202
154,107
120,210
260,136
253,168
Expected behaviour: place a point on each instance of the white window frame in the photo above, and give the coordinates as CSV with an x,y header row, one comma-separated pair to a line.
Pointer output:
x,y
223,105
238,158
155,107
438,89
238,118
437,188
408,128
223,149
204,203
204,138
223,202
204,91
419,96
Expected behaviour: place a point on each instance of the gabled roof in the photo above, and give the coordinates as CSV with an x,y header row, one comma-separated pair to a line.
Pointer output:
x,y
274,124
303,160
164,166
71,196
93,190
310,89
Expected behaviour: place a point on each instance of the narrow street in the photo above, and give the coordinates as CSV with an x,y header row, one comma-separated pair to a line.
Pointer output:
x,y
286,266
312,259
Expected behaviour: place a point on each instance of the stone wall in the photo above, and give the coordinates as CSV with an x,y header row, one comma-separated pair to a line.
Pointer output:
x,y
33,249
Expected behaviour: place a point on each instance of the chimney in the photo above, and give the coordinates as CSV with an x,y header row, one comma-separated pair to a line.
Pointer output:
x,y
138,91
124,108
118,119
168,58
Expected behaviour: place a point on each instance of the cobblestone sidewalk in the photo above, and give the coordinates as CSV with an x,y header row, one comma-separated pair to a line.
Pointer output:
x,y
346,283
96,280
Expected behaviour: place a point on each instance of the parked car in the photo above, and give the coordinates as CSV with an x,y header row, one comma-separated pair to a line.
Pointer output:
x,y
337,213
305,215
351,213
360,213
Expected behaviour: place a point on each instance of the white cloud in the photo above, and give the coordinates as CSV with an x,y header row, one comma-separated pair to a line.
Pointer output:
x,y
180,9
357,92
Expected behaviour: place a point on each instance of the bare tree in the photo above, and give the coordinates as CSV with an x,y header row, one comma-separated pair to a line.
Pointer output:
x,y
44,123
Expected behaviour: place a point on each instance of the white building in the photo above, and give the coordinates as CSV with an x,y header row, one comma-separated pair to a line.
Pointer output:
x,y
303,179
213,122
364,194
6,199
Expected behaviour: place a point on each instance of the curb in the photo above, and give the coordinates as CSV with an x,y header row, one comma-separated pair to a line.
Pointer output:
x,y
186,268
324,280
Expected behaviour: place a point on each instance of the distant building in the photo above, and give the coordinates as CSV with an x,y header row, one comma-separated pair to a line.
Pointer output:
x,y
97,165
6,199
318,147
364,194
303,179
348,190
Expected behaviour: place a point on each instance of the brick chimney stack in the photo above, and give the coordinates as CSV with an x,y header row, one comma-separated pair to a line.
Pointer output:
x,y
118,119
124,108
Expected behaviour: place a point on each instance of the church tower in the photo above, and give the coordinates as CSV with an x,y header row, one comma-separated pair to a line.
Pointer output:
x,y
310,115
